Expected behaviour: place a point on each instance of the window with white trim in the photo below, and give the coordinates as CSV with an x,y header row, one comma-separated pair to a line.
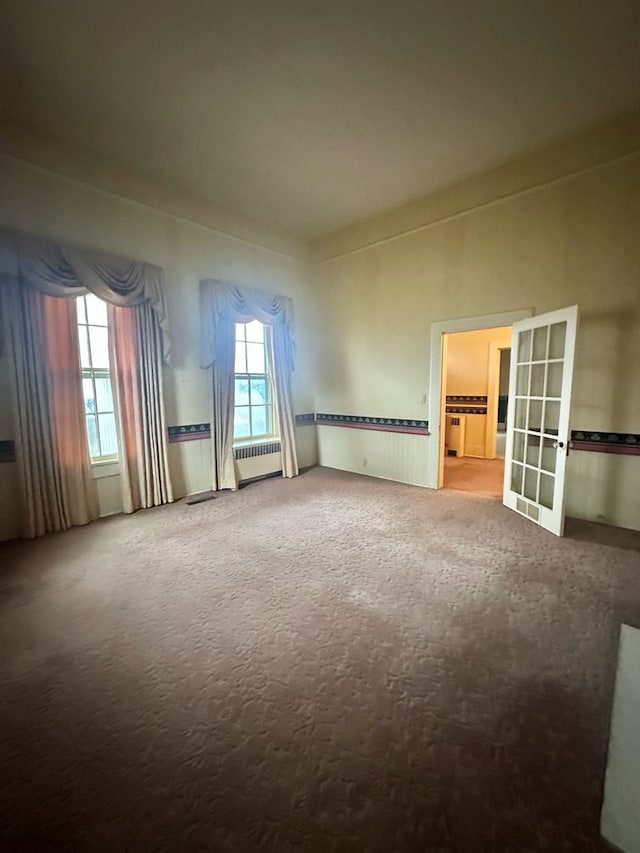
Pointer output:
x,y
97,391
253,413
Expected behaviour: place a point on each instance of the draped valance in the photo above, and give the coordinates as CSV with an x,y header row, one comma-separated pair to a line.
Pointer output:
x,y
221,307
226,302
64,271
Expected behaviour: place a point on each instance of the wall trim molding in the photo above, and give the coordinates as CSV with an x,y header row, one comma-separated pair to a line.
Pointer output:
x,y
195,432
596,147
189,432
597,441
305,419
84,167
408,426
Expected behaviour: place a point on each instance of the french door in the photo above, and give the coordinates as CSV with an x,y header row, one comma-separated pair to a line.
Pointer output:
x,y
542,354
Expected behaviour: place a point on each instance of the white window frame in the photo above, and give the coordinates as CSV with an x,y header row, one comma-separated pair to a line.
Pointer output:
x,y
273,434
103,464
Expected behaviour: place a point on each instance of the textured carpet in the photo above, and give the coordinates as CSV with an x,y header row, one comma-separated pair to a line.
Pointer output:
x,y
333,663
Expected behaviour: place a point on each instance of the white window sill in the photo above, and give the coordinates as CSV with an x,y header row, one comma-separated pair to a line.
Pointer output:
x,y
252,442
108,468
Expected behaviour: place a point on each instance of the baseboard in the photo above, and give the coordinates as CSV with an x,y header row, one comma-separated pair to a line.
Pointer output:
x,y
374,476
259,477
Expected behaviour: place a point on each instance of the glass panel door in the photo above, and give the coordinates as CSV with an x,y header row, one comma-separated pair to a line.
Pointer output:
x,y
538,417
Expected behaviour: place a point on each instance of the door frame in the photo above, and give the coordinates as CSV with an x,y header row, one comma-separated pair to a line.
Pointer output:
x,y
435,470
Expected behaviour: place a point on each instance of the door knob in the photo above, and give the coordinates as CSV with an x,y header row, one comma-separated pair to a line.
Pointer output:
x,y
558,444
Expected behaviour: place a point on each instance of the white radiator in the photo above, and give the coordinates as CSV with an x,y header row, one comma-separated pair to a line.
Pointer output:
x,y
454,435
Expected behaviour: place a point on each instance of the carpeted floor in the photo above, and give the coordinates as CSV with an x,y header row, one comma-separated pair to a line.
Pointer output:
x,y
333,663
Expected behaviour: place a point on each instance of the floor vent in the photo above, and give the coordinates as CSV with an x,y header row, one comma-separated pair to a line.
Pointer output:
x,y
256,450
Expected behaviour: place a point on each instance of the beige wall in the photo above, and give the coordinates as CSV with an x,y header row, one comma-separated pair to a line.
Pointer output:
x,y
43,203
467,368
467,371
540,234
571,241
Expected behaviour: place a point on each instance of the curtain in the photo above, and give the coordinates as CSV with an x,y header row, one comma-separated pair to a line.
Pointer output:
x,y
224,475
136,353
280,361
58,490
34,276
221,307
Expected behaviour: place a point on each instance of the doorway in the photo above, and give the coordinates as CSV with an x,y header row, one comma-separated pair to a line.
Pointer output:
x,y
474,363
543,350
437,414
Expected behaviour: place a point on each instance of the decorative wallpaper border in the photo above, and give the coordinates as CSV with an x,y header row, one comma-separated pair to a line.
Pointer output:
x,y
307,419
627,443
466,410
189,432
7,451
194,432
402,425
467,398
466,404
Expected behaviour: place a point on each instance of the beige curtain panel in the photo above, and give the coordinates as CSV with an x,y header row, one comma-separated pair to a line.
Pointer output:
x,y
58,490
38,281
221,307
136,349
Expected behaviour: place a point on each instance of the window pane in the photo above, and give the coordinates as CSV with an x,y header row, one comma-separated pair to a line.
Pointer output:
x,y
99,346
552,417
255,358
240,332
87,393
96,310
82,314
104,395
84,347
242,392
259,420
92,436
530,484
554,379
108,439
241,358
522,386
255,331
537,380
548,458
524,346
556,340
546,490
540,343
516,479
518,446
533,449
535,415
241,426
259,391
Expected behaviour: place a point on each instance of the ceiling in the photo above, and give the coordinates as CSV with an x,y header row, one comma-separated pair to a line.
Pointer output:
x,y
313,115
